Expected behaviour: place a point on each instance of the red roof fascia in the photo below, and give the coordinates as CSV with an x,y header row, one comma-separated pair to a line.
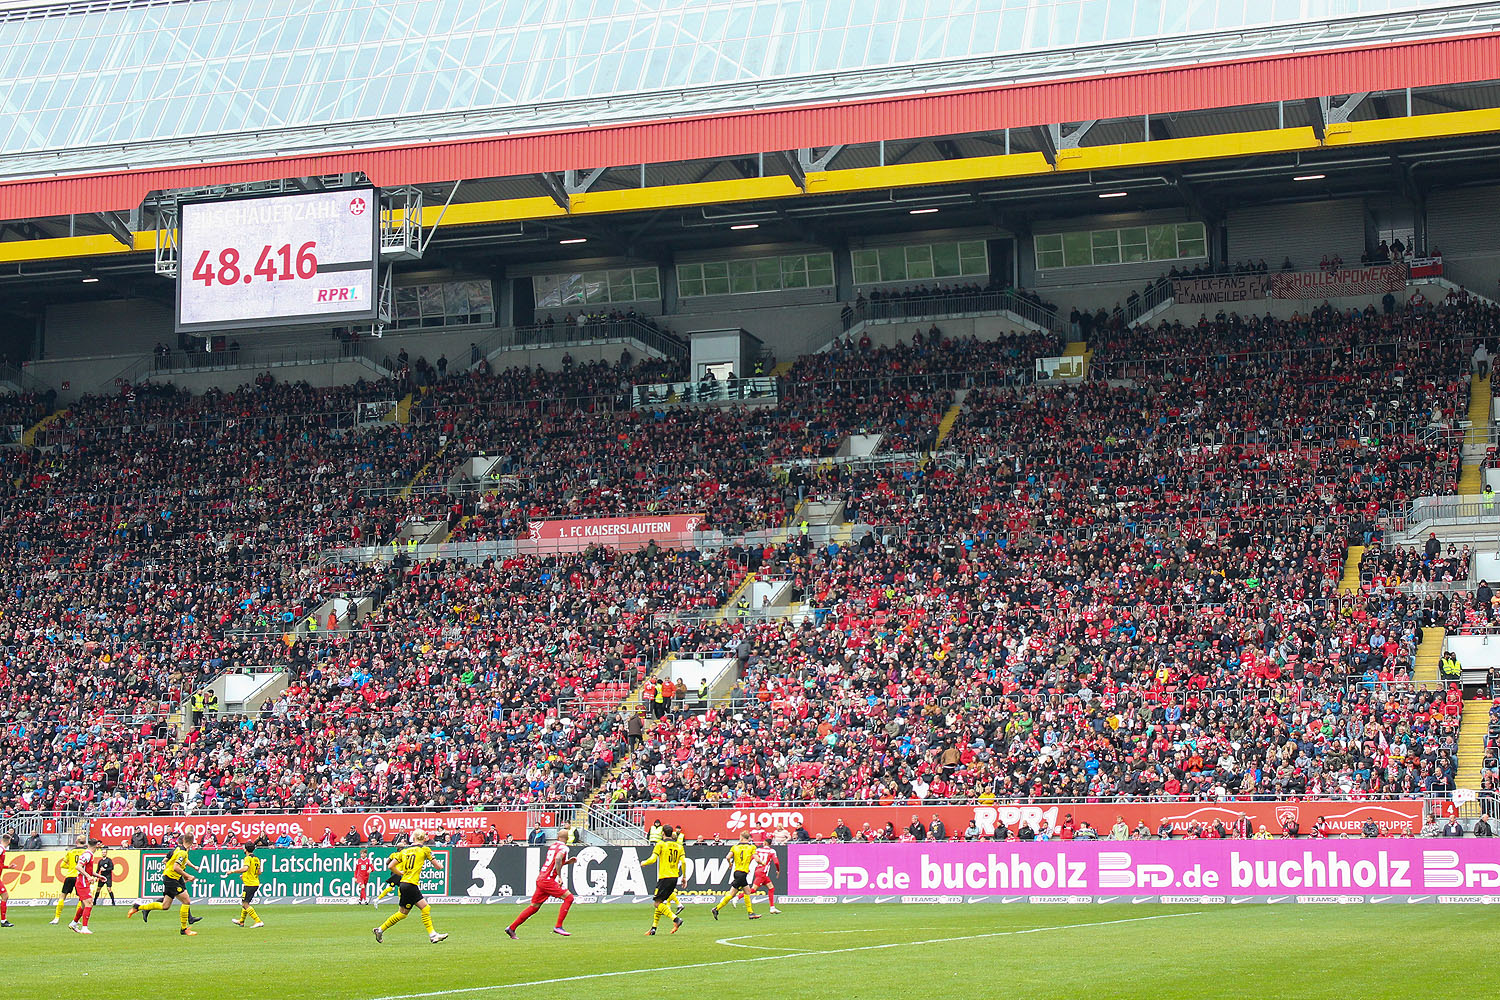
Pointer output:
x,y
1159,91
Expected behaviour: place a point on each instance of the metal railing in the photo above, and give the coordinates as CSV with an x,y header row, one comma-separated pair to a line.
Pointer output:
x,y
230,358
705,392
1426,512
626,820
1159,292
1161,363
564,334
902,309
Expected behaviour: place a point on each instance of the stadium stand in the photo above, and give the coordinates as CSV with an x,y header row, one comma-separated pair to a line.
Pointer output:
x,y
1095,588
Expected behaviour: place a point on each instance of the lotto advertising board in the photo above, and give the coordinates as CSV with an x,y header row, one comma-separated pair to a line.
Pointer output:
x,y
599,874
1344,818
1176,871
305,875
239,829
34,876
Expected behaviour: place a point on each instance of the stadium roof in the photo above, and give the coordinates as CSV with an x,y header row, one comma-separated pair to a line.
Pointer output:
x,y
705,124
100,84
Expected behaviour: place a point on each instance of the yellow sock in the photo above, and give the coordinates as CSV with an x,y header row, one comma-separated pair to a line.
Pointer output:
x,y
728,898
393,920
182,916
154,906
253,915
749,904
427,919
674,902
385,892
659,912
61,902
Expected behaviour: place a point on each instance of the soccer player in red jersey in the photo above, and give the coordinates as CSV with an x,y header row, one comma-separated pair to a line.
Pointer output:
x,y
549,886
765,859
363,869
4,892
88,878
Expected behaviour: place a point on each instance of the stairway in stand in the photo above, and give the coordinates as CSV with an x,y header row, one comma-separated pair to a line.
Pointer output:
x,y
1349,584
1471,477
1079,349
1425,672
1473,728
945,426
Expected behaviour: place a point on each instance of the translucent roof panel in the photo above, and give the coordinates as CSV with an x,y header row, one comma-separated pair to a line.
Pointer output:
x,y
113,74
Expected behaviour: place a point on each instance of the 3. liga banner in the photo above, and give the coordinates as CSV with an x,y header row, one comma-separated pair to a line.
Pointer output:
x,y
597,873
239,829
1338,284
1308,870
666,530
1343,818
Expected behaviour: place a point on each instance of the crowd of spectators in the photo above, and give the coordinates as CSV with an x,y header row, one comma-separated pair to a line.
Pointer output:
x,y
1121,587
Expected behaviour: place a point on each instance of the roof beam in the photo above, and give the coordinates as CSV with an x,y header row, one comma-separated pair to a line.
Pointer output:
x,y
948,149
1338,114
1044,141
579,181
1070,138
555,190
117,229
818,161
1316,118
793,161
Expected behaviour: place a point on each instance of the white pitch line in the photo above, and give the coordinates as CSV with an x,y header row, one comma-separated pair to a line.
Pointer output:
x,y
775,958
730,941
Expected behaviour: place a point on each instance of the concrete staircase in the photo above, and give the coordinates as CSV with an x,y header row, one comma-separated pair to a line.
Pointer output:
x,y
422,472
1079,349
1349,583
28,436
1473,728
945,426
1476,440
1425,671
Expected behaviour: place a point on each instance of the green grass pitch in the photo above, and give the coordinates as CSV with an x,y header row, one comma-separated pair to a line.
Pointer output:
x,y
928,951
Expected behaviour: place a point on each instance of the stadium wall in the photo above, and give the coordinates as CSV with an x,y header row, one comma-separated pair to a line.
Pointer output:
x,y
116,326
1465,225
1305,231
785,329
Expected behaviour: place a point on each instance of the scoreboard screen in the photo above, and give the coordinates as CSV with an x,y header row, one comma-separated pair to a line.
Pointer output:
x,y
284,260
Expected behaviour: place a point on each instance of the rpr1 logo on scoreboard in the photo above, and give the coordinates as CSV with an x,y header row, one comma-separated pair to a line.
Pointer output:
x,y
282,260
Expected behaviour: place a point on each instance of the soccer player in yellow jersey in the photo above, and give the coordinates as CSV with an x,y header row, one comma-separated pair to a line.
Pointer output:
x,y
413,860
69,872
668,857
675,902
743,856
393,880
174,879
249,873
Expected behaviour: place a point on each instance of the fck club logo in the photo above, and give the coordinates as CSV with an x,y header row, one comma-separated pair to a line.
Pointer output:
x,y
356,206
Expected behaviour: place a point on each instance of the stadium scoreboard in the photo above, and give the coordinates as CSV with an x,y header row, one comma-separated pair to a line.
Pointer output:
x,y
281,260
